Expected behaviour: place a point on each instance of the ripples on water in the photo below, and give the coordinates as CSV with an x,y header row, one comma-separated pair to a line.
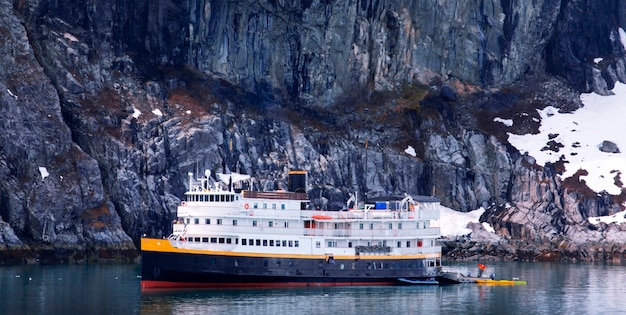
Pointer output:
x,y
114,289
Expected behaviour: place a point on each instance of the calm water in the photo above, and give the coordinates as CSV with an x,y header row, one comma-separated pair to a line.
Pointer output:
x,y
114,289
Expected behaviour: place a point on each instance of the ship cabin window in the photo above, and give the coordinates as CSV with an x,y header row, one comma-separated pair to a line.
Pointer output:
x,y
290,243
254,223
360,226
219,221
296,243
349,244
271,223
277,243
196,221
221,240
213,239
332,244
250,242
274,206
390,226
371,226
211,198
229,241
399,226
282,206
258,242
196,239
205,240
187,220
317,244
286,224
336,226
264,205
264,242
234,222
408,243
207,221
284,243
255,205
399,244
244,241
271,242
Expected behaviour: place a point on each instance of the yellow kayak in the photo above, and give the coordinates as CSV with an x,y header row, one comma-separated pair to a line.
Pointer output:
x,y
501,282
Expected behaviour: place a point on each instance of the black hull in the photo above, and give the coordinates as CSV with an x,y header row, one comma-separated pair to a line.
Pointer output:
x,y
163,270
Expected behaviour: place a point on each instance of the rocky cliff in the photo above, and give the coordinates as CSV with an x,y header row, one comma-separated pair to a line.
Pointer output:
x,y
107,105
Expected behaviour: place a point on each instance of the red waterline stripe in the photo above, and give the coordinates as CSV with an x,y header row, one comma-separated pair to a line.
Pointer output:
x,y
148,284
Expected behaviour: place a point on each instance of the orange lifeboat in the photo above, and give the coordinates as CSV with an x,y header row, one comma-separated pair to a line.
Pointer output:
x,y
321,217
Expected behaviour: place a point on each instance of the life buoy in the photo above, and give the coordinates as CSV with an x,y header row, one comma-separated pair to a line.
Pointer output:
x,y
183,203
246,206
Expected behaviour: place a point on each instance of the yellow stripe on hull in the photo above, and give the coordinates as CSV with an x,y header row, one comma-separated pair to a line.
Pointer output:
x,y
164,245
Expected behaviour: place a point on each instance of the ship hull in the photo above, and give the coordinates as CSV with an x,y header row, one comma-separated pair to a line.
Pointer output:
x,y
179,269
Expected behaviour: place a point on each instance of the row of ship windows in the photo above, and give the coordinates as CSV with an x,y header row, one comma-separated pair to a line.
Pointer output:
x,y
248,242
283,243
286,224
212,198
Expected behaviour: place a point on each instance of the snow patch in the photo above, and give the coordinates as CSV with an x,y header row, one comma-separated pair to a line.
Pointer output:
x,y
410,151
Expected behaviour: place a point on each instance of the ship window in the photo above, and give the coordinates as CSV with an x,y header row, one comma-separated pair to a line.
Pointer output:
x,y
222,198
271,223
250,242
254,223
244,241
282,206
349,244
207,221
399,244
399,226
258,242
196,239
237,241
408,243
332,244
336,226
317,244
264,205
273,206
284,243
290,243
255,205
390,226
196,221
360,226
277,243
229,240
205,240
418,225
371,226
219,221
271,242
211,198
213,239
187,220
221,240
234,222
264,242
286,224
296,243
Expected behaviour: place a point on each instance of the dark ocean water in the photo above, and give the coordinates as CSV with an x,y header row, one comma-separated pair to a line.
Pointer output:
x,y
115,289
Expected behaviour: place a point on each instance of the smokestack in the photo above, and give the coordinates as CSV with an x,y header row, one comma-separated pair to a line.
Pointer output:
x,y
297,181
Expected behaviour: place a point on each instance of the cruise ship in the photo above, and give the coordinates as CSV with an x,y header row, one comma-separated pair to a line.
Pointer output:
x,y
226,237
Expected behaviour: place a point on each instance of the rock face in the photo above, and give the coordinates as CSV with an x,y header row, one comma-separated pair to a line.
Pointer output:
x,y
117,102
